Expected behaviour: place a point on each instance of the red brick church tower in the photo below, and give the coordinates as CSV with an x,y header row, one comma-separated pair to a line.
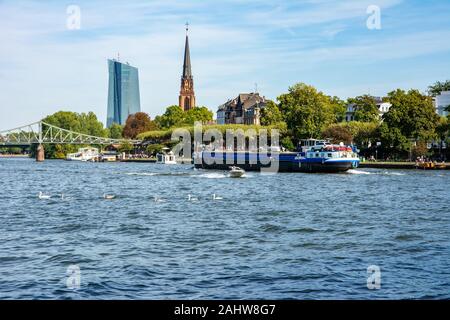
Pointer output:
x,y
187,95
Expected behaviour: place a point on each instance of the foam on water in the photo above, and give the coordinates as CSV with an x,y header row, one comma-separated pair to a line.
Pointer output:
x,y
392,173
141,173
384,173
212,175
151,174
354,171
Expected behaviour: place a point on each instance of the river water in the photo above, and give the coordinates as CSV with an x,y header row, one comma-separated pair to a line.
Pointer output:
x,y
284,236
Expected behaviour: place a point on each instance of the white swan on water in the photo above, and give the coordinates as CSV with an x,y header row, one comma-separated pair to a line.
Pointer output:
x,y
43,196
64,197
214,197
192,198
157,199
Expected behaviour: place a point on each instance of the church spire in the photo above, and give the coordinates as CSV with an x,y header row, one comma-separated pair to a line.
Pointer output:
x,y
187,95
187,72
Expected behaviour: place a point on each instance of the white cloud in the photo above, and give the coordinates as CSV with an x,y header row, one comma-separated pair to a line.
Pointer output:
x,y
44,67
315,12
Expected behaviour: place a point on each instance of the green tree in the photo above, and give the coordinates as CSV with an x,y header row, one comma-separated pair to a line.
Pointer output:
x,y
202,114
410,119
65,120
153,149
173,117
338,108
126,147
412,113
393,138
176,117
287,143
443,131
363,133
435,89
337,133
271,114
138,123
420,149
443,128
366,109
90,125
307,111
115,131
13,150
82,123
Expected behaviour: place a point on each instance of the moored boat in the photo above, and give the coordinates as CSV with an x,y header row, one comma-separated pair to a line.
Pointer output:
x,y
166,157
84,154
429,165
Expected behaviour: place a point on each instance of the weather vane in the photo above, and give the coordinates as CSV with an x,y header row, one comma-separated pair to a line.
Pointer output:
x,y
187,27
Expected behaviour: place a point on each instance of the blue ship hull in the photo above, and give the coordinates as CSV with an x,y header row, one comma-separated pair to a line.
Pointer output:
x,y
286,162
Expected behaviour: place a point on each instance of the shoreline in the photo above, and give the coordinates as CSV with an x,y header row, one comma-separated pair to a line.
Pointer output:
x,y
14,156
362,165
396,165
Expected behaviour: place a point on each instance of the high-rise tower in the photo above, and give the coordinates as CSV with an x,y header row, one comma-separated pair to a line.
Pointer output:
x,y
187,95
123,92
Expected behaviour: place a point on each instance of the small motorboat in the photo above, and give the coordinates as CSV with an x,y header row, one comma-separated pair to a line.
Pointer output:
x,y
236,172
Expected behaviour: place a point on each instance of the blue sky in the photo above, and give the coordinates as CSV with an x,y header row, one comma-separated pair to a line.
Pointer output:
x,y
44,67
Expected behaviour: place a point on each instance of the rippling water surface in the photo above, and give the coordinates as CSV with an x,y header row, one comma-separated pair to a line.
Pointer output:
x,y
285,236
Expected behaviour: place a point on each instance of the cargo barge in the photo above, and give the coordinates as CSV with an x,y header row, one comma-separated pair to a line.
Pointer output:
x,y
321,157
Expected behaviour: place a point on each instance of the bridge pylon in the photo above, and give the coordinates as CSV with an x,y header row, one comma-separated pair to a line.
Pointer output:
x,y
40,153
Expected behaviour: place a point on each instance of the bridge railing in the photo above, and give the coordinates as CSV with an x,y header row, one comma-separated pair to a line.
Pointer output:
x,y
45,133
24,135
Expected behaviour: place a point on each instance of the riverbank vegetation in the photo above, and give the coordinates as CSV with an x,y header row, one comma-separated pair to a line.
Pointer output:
x,y
407,130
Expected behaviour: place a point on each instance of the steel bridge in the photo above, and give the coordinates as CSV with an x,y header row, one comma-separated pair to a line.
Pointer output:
x,y
41,133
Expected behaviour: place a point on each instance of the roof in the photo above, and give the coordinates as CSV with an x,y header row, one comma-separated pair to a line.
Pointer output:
x,y
247,100
252,99
187,72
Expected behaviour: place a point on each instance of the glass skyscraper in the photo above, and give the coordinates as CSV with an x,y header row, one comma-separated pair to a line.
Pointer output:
x,y
123,92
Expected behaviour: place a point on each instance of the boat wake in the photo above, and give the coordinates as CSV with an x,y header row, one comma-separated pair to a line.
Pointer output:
x,y
354,171
140,173
393,173
384,173
213,175
151,174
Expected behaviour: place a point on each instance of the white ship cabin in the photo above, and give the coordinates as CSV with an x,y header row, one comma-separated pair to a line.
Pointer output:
x,y
330,151
166,157
306,144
